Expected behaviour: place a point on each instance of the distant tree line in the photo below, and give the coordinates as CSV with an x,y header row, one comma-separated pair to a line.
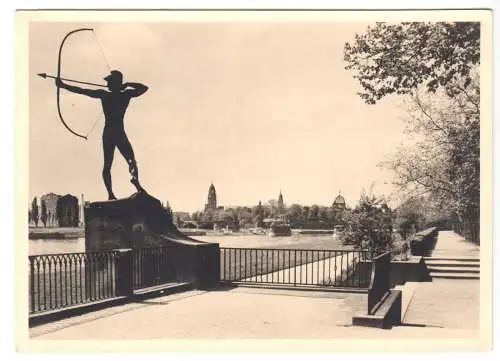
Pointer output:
x,y
299,216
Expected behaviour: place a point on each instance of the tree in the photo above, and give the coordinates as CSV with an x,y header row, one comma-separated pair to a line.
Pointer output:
x,y
196,216
437,65
305,213
445,162
410,216
314,212
397,58
294,212
43,216
370,224
34,211
169,212
323,214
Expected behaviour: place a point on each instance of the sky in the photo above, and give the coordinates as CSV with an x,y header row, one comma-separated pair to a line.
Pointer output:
x,y
254,107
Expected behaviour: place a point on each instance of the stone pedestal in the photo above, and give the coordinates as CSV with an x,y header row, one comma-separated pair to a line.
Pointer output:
x,y
140,221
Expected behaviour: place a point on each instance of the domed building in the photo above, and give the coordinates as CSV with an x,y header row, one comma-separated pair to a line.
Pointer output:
x,y
339,203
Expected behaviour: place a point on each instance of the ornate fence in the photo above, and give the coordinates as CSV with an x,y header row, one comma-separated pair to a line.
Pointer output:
x,y
63,280
307,267
59,281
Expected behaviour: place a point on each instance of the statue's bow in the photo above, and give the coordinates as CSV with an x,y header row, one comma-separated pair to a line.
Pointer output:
x,y
59,76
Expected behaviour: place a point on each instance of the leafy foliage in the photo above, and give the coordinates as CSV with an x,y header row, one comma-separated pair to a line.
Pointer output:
x,y
445,162
370,224
437,65
397,58
34,211
43,216
410,216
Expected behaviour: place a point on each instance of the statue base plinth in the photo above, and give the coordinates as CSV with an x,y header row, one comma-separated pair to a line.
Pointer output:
x,y
140,221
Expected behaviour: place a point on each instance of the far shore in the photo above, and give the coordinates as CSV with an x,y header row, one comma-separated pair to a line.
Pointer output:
x,y
56,232
79,232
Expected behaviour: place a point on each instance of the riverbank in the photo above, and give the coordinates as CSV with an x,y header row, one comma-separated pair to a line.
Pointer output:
x,y
79,232
56,233
313,231
249,232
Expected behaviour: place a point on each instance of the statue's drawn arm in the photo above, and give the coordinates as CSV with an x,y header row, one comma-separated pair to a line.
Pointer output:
x,y
137,89
93,93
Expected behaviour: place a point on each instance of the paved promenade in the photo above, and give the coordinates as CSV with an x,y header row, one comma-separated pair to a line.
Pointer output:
x,y
225,314
240,313
447,303
450,244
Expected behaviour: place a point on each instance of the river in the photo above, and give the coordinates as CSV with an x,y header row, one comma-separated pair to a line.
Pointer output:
x,y
296,241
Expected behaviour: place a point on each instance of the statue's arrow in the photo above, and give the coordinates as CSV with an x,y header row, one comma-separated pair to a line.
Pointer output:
x,y
45,76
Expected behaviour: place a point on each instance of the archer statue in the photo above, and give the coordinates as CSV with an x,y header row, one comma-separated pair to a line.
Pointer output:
x,y
114,104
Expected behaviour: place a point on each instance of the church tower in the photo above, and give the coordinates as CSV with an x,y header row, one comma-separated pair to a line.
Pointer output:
x,y
212,198
281,204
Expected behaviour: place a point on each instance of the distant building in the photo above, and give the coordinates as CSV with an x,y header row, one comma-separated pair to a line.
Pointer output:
x,y
68,211
212,199
281,204
62,211
181,217
51,200
339,203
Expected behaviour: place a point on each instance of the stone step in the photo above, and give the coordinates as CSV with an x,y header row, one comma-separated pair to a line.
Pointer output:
x,y
451,259
165,288
449,269
458,276
452,264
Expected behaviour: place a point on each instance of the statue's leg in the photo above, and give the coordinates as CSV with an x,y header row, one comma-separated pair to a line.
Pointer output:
x,y
109,150
126,150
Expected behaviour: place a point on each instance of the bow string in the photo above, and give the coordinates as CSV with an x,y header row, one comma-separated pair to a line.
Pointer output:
x,y
59,65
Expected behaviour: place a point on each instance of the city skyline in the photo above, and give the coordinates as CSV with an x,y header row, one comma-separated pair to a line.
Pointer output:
x,y
266,201
255,107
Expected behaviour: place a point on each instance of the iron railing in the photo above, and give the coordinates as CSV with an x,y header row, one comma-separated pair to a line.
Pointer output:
x,y
63,280
158,265
59,281
380,282
306,267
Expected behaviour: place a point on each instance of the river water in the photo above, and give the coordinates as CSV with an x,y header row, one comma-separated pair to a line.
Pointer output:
x,y
296,241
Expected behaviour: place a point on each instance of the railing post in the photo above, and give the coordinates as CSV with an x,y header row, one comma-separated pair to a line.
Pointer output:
x,y
380,281
207,265
32,284
123,264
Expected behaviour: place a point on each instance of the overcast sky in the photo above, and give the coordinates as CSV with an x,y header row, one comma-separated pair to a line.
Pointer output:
x,y
254,107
